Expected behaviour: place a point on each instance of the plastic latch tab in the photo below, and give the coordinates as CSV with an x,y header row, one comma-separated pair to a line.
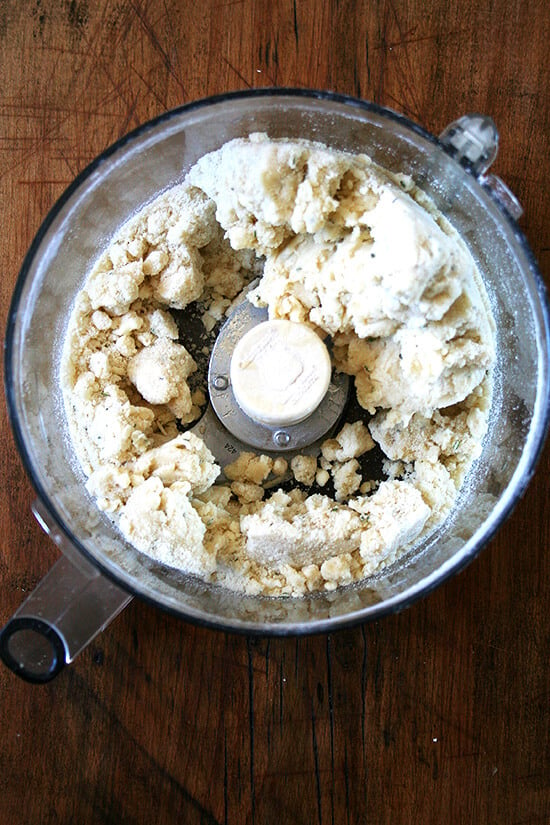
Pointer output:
x,y
473,141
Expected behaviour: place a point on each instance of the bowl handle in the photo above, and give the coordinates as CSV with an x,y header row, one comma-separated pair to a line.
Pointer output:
x,y
68,608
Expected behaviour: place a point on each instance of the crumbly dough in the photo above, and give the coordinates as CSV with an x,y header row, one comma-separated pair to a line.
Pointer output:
x,y
351,250
304,469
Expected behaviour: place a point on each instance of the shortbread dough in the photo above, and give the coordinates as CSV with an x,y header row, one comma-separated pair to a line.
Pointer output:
x,y
362,257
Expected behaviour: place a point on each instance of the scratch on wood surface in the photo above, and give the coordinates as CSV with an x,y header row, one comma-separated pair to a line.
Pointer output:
x,y
45,182
282,681
367,58
450,757
356,80
331,718
98,707
378,97
13,139
225,777
251,727
53,129
272,78
115,93
119,90
174,43
407,41
49,47
436,715
267,651
363,686
316,764
33,112
149,87
149,30
405,75
346,782
405,108
237,72
270,54
130,113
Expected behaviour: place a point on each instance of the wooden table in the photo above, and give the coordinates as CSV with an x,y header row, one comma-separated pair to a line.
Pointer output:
x,y
436,715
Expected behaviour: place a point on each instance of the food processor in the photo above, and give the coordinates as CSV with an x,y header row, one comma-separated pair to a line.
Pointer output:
x,y
99,572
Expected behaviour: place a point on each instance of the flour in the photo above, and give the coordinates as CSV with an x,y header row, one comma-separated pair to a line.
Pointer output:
x,y
358,255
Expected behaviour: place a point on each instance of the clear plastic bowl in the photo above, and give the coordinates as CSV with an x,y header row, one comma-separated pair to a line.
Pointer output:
x,y
155,157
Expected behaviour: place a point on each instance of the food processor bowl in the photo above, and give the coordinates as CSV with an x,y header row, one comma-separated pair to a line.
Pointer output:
x,y
99,571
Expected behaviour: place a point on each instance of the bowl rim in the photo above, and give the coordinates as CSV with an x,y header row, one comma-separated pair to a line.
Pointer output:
x,y
386,607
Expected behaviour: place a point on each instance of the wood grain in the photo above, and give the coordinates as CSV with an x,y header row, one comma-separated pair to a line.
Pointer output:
x,y
439,714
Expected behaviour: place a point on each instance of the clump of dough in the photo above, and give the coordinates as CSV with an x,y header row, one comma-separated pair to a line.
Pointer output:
x,y
160,371
352,441
289,532
116,289
161,521
347,479
286,532
152,497
420,369
249,467
304,469
394,516
339,458
341,245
